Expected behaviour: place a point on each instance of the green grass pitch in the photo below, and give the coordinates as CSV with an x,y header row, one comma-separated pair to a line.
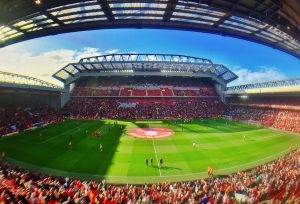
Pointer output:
x,y
220,145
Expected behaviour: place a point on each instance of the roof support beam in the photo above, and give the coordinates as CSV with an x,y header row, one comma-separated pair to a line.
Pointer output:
x,y
43,11
220,75
222,20
169,10
74,65
53,18
59,78
83,65
106,9
69,72
94,67
261,29
17,29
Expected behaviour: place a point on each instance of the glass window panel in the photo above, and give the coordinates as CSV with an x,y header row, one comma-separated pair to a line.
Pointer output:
x,y
34,29
14,35
39,17
234,28
195,16
286,45
28,26
62,74
279,33
92,7
138,5
241,25
295,42
189,7
100,13
5,30
71,10
11,32
253,22
71,69
192,21
88,66
74,16
292,45
227,76
265,37
137,12
139,17
21,23
71,5
51,25
69,17
76,9
271,35
85,20
105,65
193,3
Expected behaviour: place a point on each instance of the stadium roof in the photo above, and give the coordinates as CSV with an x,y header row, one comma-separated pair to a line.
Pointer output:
x,y
11,80
275,23
286,86
144,64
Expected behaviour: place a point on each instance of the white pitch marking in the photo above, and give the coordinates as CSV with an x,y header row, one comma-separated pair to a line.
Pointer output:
x,y
156,157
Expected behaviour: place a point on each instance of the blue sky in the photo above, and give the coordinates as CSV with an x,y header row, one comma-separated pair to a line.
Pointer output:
x,y
251,61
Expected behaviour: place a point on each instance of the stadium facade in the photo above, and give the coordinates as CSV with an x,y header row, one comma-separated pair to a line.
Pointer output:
x,y
145,65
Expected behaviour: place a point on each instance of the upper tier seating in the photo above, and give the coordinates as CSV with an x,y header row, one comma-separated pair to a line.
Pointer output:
x,y
144,87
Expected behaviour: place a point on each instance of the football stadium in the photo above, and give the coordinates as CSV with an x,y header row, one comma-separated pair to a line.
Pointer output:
x,y
149,127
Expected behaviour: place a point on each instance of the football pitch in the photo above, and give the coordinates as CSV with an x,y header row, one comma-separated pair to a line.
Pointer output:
x,y
226,146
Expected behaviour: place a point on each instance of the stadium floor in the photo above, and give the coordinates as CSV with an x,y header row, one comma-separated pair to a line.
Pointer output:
x,y
227,146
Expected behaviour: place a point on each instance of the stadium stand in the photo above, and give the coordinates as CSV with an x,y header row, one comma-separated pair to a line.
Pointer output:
x,y
187,108
144,98
144,87
277,112
253,186
26,102
17,119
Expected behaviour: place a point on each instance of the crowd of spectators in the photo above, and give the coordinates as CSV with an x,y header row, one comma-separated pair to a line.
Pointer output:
x,y
16,119
142,91
288,120
113,108
143,87
148,81
275,182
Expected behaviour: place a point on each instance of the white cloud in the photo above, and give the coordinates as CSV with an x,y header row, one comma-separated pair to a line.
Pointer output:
x,y
112,51
265,73
41,66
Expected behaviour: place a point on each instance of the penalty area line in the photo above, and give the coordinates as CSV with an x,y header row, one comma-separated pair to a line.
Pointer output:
x,y
156,156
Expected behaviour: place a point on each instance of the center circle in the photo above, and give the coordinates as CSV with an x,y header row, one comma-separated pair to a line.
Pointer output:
x,y
150,133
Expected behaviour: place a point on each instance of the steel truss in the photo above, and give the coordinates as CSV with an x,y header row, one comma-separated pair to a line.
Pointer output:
x,y
17,79
269,84
144,64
